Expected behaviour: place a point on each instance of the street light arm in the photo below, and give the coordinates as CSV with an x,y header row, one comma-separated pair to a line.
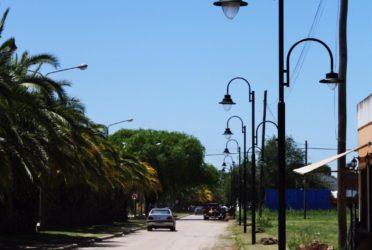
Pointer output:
x,y
112,124
241,120
224,159
237,144
259,125
36,72
309,39
245,80
81,67
250,148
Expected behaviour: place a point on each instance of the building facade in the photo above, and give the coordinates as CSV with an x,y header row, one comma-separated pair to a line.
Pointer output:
x,y
364,228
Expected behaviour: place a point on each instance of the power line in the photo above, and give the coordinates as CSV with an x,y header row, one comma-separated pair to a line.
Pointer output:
x,y
306,46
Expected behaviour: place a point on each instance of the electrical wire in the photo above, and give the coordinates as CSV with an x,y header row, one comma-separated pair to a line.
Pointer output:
x,y
306,46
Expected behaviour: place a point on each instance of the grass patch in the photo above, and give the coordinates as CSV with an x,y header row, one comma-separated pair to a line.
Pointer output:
x,y
319,225
66,236
97,230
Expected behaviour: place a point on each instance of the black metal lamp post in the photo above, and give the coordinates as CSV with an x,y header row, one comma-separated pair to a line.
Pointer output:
x,y
228,135
232,166
262,161
227,102
227,152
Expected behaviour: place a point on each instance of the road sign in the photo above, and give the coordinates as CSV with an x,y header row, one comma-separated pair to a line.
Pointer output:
x,y
134,196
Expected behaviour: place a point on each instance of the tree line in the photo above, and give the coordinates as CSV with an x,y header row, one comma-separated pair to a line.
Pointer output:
x,y
58,168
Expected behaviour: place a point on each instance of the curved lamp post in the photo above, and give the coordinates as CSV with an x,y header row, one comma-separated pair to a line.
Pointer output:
x,y
227,152
232,165
262,161
330,78
228,135
115,123
227,102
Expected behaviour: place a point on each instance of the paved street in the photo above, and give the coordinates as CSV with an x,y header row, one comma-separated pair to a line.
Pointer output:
x,y
192,233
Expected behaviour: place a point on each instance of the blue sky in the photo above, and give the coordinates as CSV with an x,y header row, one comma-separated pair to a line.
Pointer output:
x,y
166,63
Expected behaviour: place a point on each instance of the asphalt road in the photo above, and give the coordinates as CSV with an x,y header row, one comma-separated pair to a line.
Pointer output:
x,y
192,232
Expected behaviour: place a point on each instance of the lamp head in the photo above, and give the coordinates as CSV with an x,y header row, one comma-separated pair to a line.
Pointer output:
x,y
226,152
230,7
83,66
331,78
353,164
227,102
228,133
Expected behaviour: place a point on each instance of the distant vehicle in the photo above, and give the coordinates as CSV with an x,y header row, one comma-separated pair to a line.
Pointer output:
x,y
213,211
198,210
161,218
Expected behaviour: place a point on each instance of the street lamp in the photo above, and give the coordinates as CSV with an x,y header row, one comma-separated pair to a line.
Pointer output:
x,y
227,152
262,163
115,123
227,102
228,134
81,67
330,78
230,7
231,201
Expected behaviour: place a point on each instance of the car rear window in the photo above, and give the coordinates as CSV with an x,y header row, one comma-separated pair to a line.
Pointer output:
x,y
160,211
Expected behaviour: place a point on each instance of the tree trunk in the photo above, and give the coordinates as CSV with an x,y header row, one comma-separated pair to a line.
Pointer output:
x,y
342,118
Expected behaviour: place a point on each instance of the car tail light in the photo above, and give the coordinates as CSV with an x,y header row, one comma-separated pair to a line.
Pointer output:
x,y
150,218
169,218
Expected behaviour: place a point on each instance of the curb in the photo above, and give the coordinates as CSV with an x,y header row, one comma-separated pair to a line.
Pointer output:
x,y
92,241
71,246
108,237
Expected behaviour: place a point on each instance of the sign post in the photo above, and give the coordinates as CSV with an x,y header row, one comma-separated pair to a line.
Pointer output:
x,y
134,198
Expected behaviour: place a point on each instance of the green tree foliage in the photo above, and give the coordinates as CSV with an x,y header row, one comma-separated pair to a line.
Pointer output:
x,y
295,158
177,157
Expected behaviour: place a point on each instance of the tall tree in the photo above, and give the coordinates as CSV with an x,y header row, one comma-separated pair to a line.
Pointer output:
x,y
177,157
294,159
342,118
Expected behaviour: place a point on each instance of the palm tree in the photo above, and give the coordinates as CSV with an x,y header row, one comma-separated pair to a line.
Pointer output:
x,y
48,143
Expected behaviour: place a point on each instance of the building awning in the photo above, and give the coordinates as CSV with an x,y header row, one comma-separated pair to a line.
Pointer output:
x,y
309,168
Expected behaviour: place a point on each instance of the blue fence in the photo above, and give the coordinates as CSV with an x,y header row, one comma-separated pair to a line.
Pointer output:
x,y
315,198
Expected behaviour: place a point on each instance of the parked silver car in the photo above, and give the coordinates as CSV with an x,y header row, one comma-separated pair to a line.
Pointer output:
x,y
161,218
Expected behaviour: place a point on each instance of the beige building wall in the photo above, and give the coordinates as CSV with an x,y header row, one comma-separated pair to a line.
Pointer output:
x,y
365,125
365,175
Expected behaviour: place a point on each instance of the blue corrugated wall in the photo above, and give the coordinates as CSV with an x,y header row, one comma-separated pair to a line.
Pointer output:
x,y
315,198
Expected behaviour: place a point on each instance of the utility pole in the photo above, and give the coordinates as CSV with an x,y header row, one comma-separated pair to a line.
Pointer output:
x,y
342,117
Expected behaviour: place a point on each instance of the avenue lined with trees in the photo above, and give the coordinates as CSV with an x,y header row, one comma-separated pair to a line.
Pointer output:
x,y
59,168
